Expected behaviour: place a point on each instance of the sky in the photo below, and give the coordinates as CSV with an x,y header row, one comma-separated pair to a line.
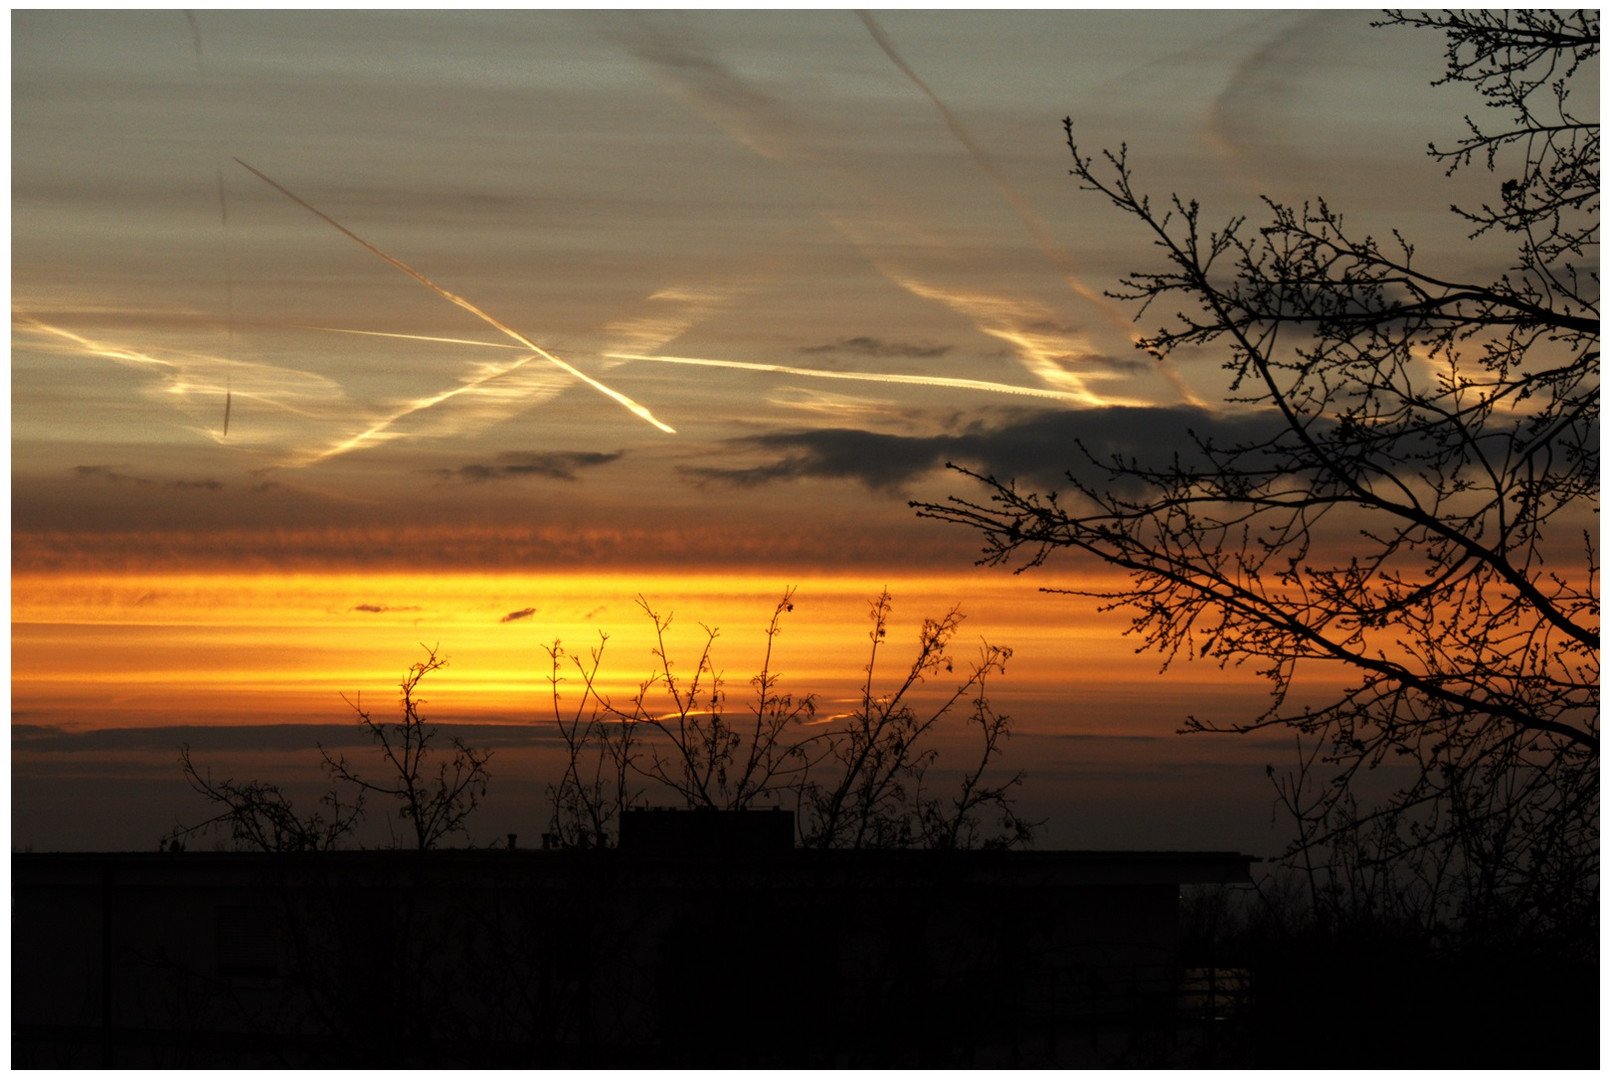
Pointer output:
x,y
337,335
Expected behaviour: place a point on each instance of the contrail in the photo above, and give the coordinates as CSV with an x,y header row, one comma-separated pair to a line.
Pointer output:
x,y
1037,231
223,208
631,405
776,369
864,376
378,430
758,121
1031,221
195,38
417,337
111,352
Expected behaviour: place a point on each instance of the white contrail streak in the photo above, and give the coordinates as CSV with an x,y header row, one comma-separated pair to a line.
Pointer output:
x,y
377,432
418,337
775,369
615,395
863,376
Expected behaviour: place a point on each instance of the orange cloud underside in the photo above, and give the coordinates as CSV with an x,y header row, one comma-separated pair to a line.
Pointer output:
x,y
122,650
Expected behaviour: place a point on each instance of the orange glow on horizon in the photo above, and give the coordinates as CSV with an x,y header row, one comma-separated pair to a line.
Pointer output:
x,y
117,650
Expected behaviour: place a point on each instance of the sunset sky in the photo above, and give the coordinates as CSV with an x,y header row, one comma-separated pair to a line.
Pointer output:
x,y
731,289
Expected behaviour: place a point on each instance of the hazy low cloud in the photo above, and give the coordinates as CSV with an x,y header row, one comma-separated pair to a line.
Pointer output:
x,y
516,465
516,616
1037,448
47,738
877,347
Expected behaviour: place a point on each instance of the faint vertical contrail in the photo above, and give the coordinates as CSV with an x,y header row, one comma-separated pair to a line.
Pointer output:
x,y
615,395
195,39
223,212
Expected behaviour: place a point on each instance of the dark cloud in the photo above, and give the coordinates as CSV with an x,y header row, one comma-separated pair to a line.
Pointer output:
x,y
516,465
112,476
515,616
871,346
376,609
881,462
1038,448
107,473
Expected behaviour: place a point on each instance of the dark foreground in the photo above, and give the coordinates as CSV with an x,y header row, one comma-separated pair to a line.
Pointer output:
x,y
716,958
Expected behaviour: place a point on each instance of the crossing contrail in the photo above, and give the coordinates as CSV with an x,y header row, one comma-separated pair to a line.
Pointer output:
x,y
615,395
380,430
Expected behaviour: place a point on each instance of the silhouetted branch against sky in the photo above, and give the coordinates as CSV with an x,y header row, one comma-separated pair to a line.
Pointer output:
x,y
1420,514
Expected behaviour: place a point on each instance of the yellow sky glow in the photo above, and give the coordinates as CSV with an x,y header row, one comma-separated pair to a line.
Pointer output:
x,y
113,650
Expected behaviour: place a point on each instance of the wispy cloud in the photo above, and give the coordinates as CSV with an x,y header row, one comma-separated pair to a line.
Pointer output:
x,y
1239,124
676,310
203,385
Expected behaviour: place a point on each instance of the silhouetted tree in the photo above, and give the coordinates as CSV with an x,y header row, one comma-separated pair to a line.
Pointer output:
x,y
1417,509
259,817
855,780
435,804
434,796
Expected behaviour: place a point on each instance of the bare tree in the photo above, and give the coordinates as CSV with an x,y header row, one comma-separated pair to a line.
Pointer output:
x,y
600,749
259,816
433,795
434,804
882,753
855,780
1416,507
